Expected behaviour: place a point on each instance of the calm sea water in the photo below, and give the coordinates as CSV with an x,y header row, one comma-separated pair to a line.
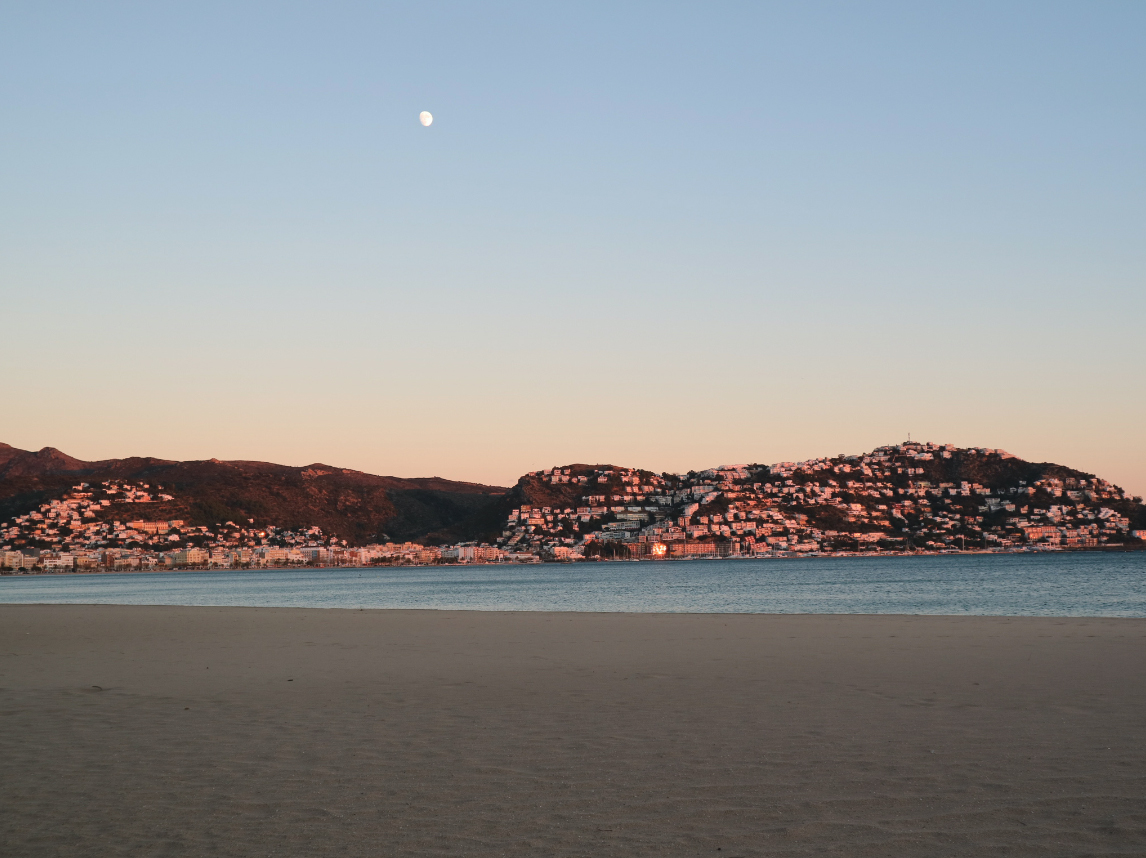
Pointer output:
x,y
1098,585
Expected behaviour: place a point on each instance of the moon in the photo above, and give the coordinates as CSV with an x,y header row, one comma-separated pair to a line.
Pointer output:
x,y
425,117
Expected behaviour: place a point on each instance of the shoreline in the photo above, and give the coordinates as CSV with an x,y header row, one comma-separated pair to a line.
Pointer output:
x,y
1070,550
528,612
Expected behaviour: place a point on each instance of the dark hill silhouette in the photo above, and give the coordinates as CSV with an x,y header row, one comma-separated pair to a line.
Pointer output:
x,y
349,504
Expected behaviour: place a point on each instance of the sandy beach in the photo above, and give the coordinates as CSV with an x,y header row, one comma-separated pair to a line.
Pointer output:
x,y
256,731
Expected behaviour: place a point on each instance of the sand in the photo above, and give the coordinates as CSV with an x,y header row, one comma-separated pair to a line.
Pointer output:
x,y
243,731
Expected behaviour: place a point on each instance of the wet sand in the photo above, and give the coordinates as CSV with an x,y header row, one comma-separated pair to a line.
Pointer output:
x,y
255,731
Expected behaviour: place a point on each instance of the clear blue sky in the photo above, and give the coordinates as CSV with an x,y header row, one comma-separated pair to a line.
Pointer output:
x,y
660,235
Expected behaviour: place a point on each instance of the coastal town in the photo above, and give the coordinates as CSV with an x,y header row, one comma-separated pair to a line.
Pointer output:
x,y
896,499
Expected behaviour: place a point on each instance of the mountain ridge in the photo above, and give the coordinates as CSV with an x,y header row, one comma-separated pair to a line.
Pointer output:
x,y
351,504
904,495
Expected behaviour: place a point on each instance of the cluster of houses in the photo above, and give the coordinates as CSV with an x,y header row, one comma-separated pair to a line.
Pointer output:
x,y
79,533
141,559
896,498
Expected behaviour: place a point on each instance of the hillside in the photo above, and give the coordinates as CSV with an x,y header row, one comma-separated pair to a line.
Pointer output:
x,y
904,497
908,496
346,504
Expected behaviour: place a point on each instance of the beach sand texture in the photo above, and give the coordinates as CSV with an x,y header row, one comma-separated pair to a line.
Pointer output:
x,y
165,731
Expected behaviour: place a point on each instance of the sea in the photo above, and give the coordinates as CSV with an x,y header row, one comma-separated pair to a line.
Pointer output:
x,y
1043,585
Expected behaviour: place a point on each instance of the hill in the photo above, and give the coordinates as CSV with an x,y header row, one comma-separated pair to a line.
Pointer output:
x,y
910,496
346,504
906,496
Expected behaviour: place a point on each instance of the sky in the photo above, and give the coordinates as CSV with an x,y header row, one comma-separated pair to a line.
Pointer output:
x,y
660,235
